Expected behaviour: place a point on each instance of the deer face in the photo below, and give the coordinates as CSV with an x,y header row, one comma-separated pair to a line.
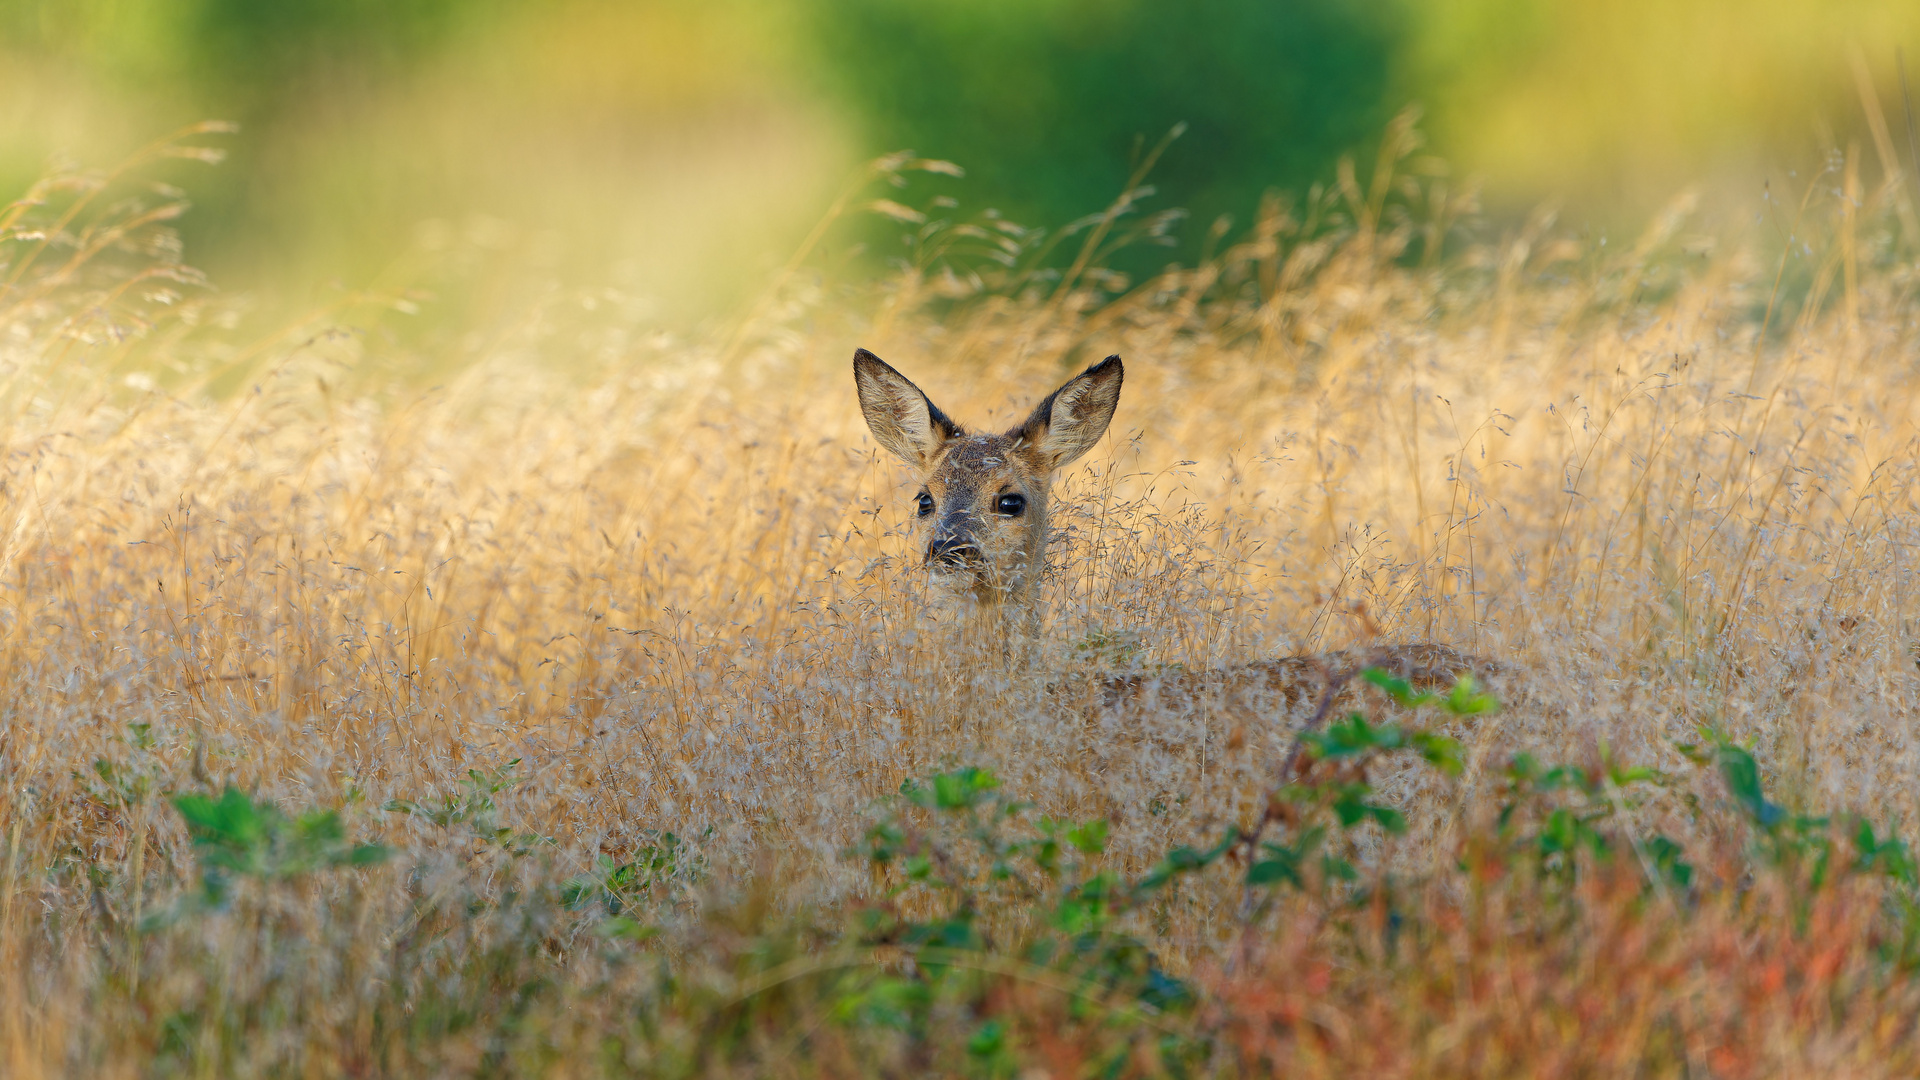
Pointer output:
x,y
980,521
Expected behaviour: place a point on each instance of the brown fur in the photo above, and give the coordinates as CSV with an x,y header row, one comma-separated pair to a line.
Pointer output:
x,y
966,540
972,548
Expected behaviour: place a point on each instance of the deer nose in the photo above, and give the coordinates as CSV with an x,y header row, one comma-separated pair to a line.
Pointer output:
x,y
953,549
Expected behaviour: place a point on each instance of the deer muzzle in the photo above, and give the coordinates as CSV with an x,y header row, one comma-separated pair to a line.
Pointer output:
x,y
953,548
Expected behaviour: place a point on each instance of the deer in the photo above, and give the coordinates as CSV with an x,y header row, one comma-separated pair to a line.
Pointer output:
x,y
980,530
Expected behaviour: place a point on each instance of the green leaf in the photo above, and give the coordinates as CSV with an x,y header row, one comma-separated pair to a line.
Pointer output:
x,y
1350,807
1389,819
1561,776
1558,835
1400,690
989,1040
1046,855
1665,855
1466,699
884,841
1077,915
1890,856
955,932
1624,777
1182,860
1091,838
1285,861
1269,871
1440,751
1742,776
888,1001
1692,752
627,928
957,790
1352,737
233,834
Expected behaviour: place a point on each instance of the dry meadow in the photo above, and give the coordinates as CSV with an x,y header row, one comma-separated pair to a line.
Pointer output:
x,y
561,690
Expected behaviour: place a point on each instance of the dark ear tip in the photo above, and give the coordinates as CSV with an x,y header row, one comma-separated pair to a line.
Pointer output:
x,y
867,365
1110,363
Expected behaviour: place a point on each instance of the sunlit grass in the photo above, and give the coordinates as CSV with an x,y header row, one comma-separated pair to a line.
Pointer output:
x,y
602,585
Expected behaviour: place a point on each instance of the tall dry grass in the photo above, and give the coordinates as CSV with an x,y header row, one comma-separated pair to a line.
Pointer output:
x,y
604,583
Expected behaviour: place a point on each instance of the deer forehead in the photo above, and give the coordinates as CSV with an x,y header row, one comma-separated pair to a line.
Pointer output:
x,y
983,463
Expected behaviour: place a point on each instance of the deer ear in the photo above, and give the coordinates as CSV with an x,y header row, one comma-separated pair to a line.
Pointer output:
x,y
901,418
1073,417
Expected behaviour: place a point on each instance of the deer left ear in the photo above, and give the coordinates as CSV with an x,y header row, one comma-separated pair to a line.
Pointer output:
x,y
902,419
1072,418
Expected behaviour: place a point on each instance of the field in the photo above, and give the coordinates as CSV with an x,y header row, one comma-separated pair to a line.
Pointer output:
x,y
574,709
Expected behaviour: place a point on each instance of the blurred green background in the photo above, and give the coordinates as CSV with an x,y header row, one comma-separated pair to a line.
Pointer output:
x,y
680,148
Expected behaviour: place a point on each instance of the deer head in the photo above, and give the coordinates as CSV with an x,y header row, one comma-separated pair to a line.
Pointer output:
x,y
980,521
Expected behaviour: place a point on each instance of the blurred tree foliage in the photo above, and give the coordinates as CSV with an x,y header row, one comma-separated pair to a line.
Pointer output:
x,y
1048,103
282,69
693,141
250,57
260,53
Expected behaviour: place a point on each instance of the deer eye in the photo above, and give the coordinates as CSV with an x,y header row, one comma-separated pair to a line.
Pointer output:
x,y
926,504
1012,504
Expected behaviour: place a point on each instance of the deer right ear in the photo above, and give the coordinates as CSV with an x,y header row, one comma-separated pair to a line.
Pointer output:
x,y
1072,419
901,418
